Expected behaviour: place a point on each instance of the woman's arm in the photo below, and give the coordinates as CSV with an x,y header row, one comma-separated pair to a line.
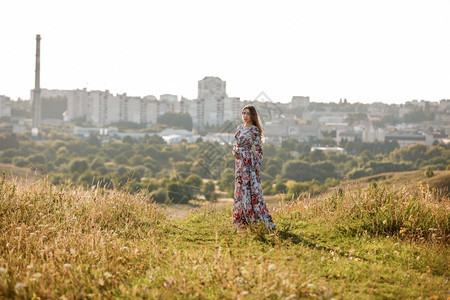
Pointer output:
x,y
258,147
235,151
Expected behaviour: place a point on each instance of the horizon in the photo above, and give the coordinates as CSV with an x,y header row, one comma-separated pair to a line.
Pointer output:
x,y
378,52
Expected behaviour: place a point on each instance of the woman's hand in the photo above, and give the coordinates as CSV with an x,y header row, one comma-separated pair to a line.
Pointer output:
x,y
257,170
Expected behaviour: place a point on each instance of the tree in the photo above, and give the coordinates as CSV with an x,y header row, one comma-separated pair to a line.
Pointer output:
x,y
226,182
180,120
353,117
8,141
281,188
160,195
128,140
296,170
194,181
417,116
208,191
176,193
121,159
79,165
317,155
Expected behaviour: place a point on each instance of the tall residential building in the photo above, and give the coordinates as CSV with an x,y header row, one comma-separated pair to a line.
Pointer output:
x,y
76,103
97,108
149,110
112,109
190,107
212,91
232,109
132,109
169,103
443,113
5,106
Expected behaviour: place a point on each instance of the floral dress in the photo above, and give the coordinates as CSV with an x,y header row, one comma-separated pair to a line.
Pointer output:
x,y
249,204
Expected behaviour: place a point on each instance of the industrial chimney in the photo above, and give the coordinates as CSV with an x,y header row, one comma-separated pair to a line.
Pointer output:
x,y
37,112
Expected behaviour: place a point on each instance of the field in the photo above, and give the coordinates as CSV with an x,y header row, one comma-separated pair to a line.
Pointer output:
x,y
360,241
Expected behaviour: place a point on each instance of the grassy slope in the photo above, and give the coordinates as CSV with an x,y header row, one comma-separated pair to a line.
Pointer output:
x,y
410,178
25,174
66,241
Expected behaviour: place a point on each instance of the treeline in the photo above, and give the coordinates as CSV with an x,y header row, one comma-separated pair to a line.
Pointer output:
x,y
186,171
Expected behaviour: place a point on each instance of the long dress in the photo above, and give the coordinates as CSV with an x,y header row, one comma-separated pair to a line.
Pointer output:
x,y
249,205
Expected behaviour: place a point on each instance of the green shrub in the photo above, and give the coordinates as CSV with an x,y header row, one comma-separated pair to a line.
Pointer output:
x,y
160,195
79,165
177,192
209,191
280,188
20,161
267,188
429,172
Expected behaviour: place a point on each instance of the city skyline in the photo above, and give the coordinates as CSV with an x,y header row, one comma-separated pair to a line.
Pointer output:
x,y
385,51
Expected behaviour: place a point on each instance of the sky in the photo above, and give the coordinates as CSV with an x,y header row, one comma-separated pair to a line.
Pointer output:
x,y
389,51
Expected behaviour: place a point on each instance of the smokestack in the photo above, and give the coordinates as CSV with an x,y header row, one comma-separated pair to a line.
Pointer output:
x,y
37,114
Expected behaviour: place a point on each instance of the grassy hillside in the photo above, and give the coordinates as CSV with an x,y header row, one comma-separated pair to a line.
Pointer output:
x,y
363,242
25,174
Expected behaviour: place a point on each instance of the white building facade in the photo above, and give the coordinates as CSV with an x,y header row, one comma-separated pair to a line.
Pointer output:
x,y
5,106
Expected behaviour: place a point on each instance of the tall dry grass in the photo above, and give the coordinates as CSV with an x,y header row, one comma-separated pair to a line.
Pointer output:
x,y
414,213
79,242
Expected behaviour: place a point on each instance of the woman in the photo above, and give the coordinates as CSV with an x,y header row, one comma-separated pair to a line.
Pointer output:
x,y
249,206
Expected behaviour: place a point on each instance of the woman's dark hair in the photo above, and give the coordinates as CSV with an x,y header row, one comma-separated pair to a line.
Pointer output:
x,y
254,117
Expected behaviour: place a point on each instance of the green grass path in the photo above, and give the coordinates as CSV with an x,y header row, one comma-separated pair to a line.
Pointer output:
x,y
203,256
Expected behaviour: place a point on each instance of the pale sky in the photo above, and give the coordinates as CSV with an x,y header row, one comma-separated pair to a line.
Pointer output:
x,y
385,50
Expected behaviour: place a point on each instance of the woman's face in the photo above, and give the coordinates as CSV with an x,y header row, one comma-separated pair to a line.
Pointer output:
x,y
246,118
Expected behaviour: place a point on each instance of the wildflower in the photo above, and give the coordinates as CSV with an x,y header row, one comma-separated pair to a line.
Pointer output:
x,y
271,267
243,293
68,266
36,276
310,285
72,251
107,275
19,286
2,270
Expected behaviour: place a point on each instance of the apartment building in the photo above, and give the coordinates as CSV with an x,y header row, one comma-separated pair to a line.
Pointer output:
x,y
5,106
211,93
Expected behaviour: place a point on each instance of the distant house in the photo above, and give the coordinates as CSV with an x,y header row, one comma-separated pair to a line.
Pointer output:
x,y
87,131
409,139
275,132
173,136
346,135
329,149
